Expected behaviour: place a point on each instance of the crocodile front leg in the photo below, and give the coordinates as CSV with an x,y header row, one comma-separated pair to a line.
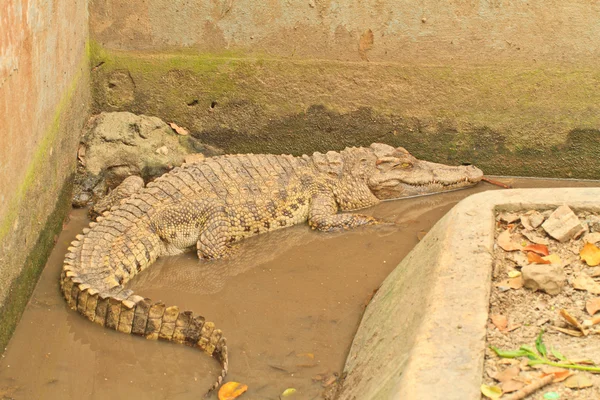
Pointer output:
x,y
215,239
323,215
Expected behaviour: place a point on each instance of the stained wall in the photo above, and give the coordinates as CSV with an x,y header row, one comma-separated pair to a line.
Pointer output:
x,y
44,102
509,85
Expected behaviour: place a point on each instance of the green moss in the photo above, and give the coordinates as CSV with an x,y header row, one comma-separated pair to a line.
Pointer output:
x,y
22,287
40,157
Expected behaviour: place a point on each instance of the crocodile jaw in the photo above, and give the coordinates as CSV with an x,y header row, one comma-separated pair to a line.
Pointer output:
x,y
399,175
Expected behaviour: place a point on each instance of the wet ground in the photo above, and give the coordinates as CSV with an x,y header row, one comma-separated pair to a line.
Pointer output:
x,y
289,304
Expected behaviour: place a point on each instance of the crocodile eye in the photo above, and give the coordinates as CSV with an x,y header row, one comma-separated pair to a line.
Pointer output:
x,y
404,165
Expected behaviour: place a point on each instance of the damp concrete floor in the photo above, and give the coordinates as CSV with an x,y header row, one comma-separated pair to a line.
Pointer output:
x,y
289,304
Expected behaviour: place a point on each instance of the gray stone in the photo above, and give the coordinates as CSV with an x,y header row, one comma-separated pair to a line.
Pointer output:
x,y
547,278
116,145
594,223
532,220
563,224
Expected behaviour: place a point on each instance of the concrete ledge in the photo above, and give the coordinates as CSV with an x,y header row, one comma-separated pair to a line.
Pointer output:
x,y
423,334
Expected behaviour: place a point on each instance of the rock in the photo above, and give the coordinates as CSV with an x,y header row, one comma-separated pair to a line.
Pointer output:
x,y
509,218
547,278
120,144
592,238
81,199
532,219
563,224
594,223
163,150
535,238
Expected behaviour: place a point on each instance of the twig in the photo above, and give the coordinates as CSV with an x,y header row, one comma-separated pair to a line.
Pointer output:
x,y
531,388
497,183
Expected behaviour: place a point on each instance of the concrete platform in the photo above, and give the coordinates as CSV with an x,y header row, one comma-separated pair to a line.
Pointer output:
x,y
422,336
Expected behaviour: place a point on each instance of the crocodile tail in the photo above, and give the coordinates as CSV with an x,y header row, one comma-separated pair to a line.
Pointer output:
x,y
120,309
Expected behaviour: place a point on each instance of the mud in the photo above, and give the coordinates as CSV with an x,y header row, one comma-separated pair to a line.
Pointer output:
x,y
289,306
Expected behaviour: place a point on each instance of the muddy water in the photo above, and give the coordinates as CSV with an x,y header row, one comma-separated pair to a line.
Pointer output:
x,y
289,304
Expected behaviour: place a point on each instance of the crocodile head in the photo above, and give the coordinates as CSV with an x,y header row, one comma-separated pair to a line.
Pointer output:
x,y
398,174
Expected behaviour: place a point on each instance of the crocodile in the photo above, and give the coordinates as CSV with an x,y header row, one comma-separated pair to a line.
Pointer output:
x,y
210,206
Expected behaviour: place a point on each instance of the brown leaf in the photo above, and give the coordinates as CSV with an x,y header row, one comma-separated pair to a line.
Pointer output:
x,y
592,305
511,386
559,376
553,258
537,248
536,258
584,282
509,217
578,381
584,361
571,320
570,332
513,283
590,254
499,321
232,390
507,374
506,243
178,129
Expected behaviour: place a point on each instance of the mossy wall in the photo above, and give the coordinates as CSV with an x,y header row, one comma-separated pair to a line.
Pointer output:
x,y
509,86
44,103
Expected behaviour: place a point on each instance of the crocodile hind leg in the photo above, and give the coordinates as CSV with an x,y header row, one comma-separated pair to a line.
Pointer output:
x,y
324,217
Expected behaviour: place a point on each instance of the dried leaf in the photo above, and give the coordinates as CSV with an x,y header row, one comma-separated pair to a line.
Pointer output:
x,y
578,381
288,392
232,390
553,258
516,283
499,321
536,258
178,129
584,282
513,283
590,254
535,238
509,218
506,243
513,327
592,305
514,273
559,376
491,392
571,320
512,386
537,248
570,332
507,374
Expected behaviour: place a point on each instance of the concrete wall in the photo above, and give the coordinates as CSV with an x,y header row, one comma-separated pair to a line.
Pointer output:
x,y
44,102
509,85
